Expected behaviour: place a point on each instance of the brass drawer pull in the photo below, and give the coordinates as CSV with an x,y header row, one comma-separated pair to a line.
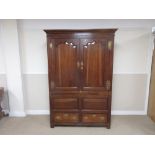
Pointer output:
x,y
102,118
58,118
85,117
65,115
74,118
94,115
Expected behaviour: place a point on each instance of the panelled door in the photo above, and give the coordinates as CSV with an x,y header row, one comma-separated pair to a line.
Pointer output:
x,y
64,67
80,64
95,64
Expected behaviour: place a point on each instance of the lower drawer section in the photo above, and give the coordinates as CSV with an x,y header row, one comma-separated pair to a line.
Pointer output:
x,y
80,119
94,118
66,117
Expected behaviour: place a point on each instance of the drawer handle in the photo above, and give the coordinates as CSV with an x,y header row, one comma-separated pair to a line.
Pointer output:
x,y
66,115
85,117
58,118
102,118
74,118
94,115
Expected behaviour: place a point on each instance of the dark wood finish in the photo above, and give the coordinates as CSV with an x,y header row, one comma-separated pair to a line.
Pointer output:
x,y
95,104
94,118
80,64
65,103
66,117
1,96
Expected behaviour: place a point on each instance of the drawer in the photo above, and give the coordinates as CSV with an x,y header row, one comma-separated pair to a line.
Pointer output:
x,y
94,118
65,103
95,104
66,117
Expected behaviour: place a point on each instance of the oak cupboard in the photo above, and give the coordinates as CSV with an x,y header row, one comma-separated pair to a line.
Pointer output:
x,y
80,69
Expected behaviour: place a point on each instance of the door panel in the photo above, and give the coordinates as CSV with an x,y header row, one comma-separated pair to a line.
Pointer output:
x,y
65,103
95,59
95,104
66,73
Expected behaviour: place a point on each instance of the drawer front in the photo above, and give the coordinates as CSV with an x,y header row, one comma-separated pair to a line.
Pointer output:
x,y
95,104
65,103
66,117
94,118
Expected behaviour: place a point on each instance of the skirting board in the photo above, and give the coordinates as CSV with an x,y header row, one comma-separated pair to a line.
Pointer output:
x,y
115,112
46,112
17,114
37,112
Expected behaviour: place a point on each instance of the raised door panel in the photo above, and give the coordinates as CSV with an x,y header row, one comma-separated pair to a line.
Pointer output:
x,y
96,64
65,103
65,67
95,104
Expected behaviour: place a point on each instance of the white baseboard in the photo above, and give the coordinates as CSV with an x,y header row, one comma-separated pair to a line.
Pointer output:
x,y
114,112
46,112
117,112
37,112
17,114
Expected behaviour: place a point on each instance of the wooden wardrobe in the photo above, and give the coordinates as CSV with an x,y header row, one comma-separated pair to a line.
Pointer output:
x,y
80,69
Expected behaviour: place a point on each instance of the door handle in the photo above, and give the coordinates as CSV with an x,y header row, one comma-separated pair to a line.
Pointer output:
x,y
78,64
82,65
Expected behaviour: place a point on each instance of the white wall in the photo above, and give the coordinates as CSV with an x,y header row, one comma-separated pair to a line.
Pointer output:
x,y
2,62
131,50
131,61
11,51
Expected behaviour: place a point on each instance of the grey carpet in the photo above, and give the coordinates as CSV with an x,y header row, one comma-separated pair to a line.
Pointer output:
x,y
39,125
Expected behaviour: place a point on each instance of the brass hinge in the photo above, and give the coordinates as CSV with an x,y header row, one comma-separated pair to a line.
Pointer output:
x,y
109,45
52,85
50,45
108,85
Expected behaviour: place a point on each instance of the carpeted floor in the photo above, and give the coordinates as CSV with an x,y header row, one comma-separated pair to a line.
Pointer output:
x,y
39,125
